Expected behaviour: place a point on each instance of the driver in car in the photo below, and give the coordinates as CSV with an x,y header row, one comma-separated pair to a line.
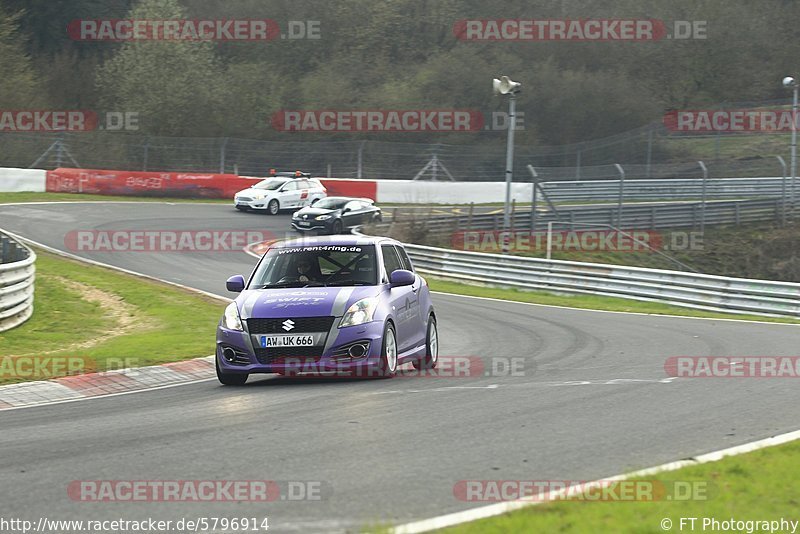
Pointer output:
x,y
304,273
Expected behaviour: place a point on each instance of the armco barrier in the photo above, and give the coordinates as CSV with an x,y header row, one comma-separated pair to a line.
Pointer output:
x,y
707,292
22,180
17,272
640,217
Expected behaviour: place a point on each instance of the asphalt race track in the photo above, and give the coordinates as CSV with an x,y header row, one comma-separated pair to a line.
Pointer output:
x,y
592,400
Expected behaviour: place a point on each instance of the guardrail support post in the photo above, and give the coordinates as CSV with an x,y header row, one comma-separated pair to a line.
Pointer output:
x,y
469,216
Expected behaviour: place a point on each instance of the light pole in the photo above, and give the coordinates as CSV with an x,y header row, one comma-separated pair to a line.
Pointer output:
x,y
791,83
504,86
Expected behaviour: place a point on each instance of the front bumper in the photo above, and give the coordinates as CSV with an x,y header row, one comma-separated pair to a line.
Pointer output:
x,y
245,356
312,225
253,204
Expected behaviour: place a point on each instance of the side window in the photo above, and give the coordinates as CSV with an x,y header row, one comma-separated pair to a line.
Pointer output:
x,y
305,184
290,186
405,261
390,260
353,205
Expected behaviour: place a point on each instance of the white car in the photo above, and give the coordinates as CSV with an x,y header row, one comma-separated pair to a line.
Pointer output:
x,y
279,193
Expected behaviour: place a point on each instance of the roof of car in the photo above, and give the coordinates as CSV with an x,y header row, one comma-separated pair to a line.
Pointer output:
x,y
339,240
362,199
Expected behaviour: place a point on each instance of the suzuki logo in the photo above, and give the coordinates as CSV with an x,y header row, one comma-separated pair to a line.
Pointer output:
x,y
288,324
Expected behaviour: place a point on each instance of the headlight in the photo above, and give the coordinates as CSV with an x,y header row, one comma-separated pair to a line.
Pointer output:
x,y
259,196
322,217
231,319
360,312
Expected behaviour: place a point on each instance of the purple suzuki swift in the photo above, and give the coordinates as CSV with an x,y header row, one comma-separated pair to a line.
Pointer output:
x,y
340,304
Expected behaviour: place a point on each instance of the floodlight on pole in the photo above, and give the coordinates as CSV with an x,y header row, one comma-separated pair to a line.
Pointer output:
x,y
505,86
791,83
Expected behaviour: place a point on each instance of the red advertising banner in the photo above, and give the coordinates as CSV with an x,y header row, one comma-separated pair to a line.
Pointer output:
x,y
157,184
175,184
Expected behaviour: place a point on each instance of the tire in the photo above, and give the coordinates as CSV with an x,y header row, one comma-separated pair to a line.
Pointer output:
x,y
231,379
273,207
388,361
431,357
337,227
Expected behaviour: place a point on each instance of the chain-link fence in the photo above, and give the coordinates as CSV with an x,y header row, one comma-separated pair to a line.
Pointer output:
x,y
647,152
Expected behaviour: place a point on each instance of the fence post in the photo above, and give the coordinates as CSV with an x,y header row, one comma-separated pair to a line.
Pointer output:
x,y
703,194
621,193
360,159
222,155
578,167
783,189
59,151
469,217
534,187
146,154
649,152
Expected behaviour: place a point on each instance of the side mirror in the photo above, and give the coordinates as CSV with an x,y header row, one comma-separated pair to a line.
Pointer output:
x,y
235,284
401,277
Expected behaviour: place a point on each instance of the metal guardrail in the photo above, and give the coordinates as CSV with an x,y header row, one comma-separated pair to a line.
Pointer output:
x,y
667,189
17,274
641,217
700,291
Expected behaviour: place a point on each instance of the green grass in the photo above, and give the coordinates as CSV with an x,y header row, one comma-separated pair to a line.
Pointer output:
x,y
76,197
588,301
760,485
170,324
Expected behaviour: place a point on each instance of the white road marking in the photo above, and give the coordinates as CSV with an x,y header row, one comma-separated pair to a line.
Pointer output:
x,y
493,510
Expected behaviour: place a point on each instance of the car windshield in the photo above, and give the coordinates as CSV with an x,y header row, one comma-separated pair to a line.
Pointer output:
x,y
317,265
331,203
271,185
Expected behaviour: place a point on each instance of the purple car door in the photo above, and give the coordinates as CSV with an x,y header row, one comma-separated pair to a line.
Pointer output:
x,y
404,301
